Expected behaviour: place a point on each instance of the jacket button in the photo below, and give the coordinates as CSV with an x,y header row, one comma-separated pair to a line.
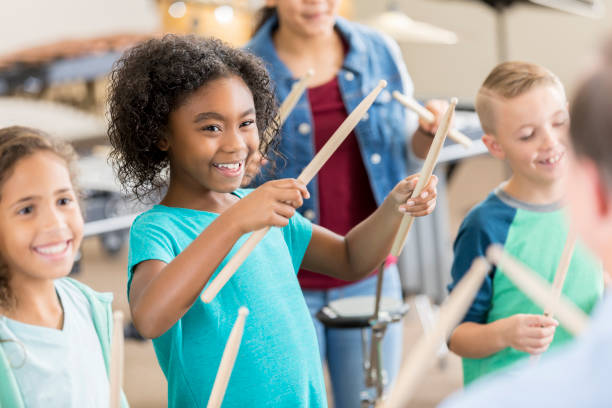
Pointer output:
x,y
304,128
375,158
309,214
349,76
385,96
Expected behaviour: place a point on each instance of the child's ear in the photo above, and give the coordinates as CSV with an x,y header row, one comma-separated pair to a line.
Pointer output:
x,y
163,144
493,146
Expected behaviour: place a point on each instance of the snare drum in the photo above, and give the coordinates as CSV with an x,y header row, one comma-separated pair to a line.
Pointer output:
x,y
356,312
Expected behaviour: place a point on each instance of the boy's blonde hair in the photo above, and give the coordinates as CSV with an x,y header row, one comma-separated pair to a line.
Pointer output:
x,y
509,80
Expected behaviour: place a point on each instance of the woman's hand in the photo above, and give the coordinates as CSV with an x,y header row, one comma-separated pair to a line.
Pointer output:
x,y
438,107
253,166
419,206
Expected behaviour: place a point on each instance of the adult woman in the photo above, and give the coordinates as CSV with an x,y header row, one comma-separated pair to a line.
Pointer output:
x,y
349,59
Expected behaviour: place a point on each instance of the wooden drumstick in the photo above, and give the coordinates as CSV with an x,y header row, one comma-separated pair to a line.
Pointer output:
x,y
307,174
290,101
294,96
424,176
538,290
421,356
561,273
116,363
429,117
559,280
227,360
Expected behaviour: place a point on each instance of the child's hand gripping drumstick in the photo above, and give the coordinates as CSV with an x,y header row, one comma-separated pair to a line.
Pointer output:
x,y
116,364
227,360
540,292
426,115
424,175
307,174
422,355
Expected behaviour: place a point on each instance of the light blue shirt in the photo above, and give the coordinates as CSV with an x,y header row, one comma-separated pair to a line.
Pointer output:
x,y
58,368
577,375
278,364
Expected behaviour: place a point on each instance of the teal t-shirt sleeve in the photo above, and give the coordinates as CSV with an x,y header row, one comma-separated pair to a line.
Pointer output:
x,y
148,240
297,235
487,223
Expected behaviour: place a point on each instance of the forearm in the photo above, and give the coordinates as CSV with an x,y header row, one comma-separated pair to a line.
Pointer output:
x,y
476,340
369,243
355,256
159,299
421,141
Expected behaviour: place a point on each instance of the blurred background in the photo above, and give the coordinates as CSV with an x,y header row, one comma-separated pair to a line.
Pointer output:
x,y
55,57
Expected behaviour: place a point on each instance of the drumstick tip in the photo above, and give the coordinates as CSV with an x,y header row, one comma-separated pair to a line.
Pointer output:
x,y
494,253
382,83
118,315
243,311
310,73
454,101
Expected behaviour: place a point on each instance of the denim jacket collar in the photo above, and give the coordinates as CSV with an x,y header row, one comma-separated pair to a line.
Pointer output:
x,y
355,59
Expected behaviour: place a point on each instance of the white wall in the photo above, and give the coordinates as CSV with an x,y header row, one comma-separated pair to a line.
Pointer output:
x,y
25,23
559,41
554,39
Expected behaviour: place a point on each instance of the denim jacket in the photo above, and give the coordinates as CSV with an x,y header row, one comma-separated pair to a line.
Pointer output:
x,y
383,133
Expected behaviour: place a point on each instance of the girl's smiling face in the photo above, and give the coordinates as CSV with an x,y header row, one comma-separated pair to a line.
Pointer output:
x,y
211,135
41,226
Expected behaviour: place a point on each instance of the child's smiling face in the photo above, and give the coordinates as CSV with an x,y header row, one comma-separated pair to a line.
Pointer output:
x,y
41,226
211,135
532,134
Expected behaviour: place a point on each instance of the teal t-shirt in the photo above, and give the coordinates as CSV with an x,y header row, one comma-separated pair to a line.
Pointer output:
x,y
278,364
535,235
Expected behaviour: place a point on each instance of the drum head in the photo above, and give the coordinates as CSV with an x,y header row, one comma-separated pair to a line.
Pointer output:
x,y
356,311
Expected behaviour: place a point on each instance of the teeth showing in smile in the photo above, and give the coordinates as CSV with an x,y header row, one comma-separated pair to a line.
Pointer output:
x,y
53,249
553,159
229,166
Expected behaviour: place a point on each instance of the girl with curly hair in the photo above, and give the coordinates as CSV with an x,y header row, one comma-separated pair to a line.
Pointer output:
x,y
54,331
187,113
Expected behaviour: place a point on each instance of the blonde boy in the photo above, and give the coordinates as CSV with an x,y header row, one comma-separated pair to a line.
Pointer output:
x,y
523,111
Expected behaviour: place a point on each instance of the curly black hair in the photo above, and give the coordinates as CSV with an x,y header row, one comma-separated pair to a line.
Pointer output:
x,y
152,79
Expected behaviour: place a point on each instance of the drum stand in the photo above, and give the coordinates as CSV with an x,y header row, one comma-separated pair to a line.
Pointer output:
x,y
374,374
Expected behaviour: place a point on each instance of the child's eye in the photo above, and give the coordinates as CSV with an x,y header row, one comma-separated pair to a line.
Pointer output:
x,y
247,123
26,210
527,136
64,201
211,128
560,123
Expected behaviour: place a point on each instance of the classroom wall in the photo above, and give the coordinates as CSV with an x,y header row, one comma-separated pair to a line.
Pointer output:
x,y
27,23
557,40
560,41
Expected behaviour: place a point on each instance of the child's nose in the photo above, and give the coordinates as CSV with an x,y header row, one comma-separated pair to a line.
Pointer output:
x,y
54,219
551,139
233,141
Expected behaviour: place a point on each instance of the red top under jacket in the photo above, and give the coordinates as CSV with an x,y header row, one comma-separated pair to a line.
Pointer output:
x,y
345,196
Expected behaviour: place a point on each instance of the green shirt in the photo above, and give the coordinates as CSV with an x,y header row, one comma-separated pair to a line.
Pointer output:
x,y
535,235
